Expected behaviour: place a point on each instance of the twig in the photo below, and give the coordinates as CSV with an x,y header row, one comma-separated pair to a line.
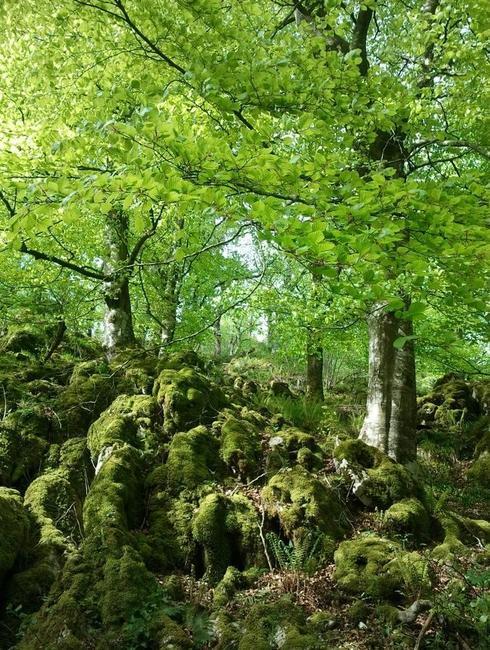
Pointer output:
x,y
424,629
262,538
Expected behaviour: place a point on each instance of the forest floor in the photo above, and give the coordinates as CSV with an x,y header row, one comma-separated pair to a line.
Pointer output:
x,y
175,502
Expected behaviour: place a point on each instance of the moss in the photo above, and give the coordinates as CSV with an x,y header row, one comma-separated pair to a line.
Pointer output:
x,y
240,446
412,573
450,403
56,508
300,500
160,544
115,496
360,566
21,453
356,454
24,339
187,398
193,458
126,583
378,480
227,529
408,517
279,624
292,446
227,587
387,614
357,612
378,567
322,621
389,482
177,360
459,532
479,471
122,421
82,402
135,371
14,524
86,369
210,529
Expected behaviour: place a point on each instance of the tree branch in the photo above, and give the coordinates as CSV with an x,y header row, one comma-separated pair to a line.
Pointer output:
x,y
86,271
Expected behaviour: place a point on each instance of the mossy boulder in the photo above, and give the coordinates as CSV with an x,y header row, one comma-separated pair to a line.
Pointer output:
x,y
290,446
114,502
301,501
460,533
14,527
378,481
193,458
180,359
227,529
125,421
240,446
451,402
21,449
408,517
56,507
24,339
277,625
378,567
479,472
187,397
82,401
357,454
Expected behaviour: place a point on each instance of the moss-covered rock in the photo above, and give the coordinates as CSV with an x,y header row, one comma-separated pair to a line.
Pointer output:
x,y
56,507
121,422
358,455
277,625
301,501
479,472
227,529
378,567
408,517
21,449
24,338
14,527
187,398
240,446
227,587
291,446
82,401
180,359
193,458
114,502
451,402
378,481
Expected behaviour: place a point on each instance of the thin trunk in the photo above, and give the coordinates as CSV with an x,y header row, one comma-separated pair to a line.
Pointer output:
x,y
314,364
390,421
169,308
118,319
218,338
402,443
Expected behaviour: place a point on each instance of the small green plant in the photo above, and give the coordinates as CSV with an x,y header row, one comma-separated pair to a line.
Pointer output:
x,y
300,557
139,632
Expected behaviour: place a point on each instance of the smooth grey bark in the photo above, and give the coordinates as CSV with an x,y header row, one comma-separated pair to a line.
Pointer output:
x,y
390,422
218,338
314,364
118,329
170,305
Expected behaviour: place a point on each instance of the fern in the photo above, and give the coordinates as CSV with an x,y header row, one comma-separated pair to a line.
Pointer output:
x,y
299,556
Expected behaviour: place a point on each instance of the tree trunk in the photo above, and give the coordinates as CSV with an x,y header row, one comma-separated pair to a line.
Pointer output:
x,y
390,422
118,319
169,309
314,364
218,338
